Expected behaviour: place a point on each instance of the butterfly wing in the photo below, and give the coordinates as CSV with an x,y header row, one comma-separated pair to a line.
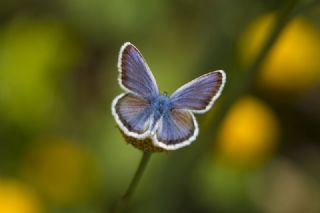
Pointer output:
x,y
199,94
135,75
132,114
176,128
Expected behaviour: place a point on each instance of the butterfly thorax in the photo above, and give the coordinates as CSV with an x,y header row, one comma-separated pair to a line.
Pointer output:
x,y
160,105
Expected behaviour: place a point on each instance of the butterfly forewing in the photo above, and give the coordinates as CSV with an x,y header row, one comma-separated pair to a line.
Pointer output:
x,y
199,94
133,114
176,128
135,75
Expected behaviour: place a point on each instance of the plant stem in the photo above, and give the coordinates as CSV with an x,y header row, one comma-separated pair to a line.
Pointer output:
x,y
125,200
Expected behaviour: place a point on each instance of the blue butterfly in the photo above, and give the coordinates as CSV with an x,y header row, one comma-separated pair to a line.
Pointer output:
x,y
142,111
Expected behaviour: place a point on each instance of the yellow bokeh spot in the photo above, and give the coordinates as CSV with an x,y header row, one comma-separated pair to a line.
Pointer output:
x,y
293,64
16,197
63,170
249,132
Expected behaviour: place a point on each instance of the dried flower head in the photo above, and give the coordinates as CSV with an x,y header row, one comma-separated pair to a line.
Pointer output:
x,y
145,144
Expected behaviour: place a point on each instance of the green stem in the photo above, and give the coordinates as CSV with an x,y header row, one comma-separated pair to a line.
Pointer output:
x,y
125,200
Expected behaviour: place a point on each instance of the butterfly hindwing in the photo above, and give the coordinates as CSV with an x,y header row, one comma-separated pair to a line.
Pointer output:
x,y
135,75
176,128
132,114
199,94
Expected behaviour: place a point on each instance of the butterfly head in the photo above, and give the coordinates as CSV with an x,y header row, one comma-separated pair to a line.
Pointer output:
x,y
164,94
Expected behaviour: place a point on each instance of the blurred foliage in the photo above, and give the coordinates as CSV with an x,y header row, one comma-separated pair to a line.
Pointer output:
x,y
283,187
60,150
33,53
63,170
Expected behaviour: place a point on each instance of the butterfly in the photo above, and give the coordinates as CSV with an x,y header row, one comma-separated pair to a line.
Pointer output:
x,y
142,111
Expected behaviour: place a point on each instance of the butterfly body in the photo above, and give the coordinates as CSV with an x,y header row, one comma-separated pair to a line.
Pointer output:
x,y
142,111
160,105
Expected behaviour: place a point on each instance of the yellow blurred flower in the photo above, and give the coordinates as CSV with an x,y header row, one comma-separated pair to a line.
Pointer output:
x,y
62,169
16,197
293,64
249,132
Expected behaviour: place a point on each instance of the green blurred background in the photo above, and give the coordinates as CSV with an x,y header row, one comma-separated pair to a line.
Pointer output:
x,y
60,150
